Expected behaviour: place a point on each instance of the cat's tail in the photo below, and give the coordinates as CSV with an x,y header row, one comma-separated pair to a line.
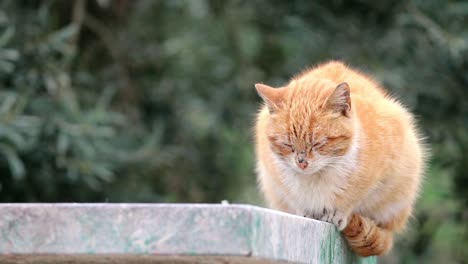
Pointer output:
x,y
366,238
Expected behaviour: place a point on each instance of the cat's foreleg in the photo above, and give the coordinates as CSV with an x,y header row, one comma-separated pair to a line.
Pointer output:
x,y
337,217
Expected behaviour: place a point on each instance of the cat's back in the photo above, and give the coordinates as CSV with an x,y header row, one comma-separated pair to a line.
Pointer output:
x,y
367,95
360,84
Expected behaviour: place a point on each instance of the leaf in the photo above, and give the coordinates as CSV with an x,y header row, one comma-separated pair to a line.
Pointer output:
x,y
6,36
7,103
14,162
12,136
105,98
63,143
103,173
92,182
9,54
62,35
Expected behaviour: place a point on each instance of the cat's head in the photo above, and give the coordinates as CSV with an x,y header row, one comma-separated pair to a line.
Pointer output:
x,y
310,123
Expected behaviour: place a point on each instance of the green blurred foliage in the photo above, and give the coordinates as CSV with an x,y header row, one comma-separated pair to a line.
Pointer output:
x,y
153,101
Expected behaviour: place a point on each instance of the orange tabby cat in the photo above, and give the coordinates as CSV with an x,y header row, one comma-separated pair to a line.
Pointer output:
x,y
334,146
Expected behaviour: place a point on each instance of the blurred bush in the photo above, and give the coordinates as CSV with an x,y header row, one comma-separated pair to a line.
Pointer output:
x,y
153,101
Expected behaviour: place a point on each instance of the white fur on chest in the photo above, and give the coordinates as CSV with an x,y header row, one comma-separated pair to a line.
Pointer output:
x,y
309,194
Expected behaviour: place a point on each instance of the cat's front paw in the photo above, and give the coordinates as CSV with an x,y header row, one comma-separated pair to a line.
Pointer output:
x,y
336,217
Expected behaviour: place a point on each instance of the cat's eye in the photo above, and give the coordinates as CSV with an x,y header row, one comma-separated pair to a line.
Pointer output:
x,y
318,144
289,146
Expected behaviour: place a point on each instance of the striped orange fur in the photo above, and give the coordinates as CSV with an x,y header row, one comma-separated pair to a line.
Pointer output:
x,y
334,146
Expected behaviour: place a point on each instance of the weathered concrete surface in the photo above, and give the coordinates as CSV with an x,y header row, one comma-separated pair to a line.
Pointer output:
x,y
163,233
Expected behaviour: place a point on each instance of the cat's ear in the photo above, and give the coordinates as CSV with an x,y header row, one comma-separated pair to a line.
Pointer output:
x,y
273,97
340,100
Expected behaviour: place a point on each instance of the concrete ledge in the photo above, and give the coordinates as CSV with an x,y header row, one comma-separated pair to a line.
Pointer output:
x,y
161,233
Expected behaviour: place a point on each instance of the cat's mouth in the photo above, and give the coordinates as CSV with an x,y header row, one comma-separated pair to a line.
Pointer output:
x,y
310,170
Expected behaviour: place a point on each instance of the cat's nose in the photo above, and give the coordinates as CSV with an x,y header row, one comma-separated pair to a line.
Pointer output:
x,y
301,160
303,165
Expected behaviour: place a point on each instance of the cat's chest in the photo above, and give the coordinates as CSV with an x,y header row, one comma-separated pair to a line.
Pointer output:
x,y
308,195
